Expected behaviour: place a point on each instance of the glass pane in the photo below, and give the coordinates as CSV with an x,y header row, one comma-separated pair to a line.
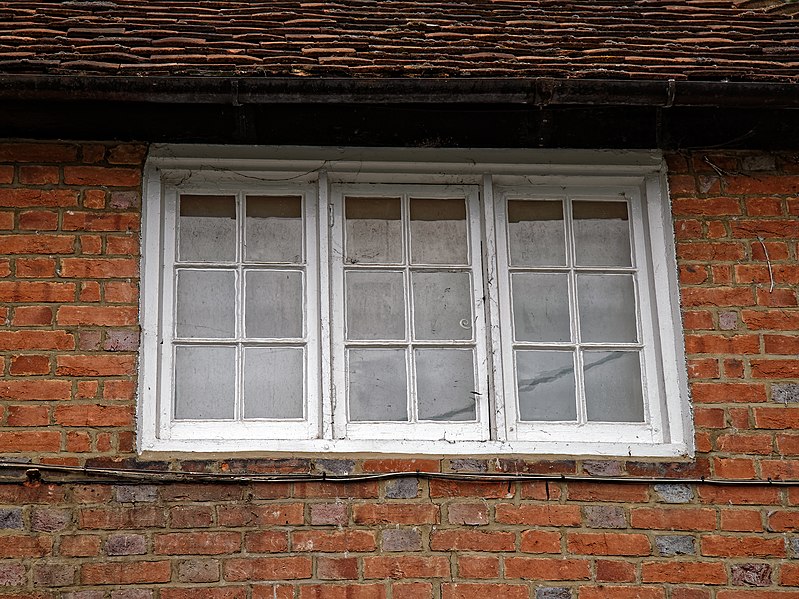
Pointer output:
x,y
206,303
442,304
540,307
204,382
274,229
375,305
438,232
273,379
207,228
273,304
374,230
377,385
607,308
536,235
445,388
613,386
545,383
601,233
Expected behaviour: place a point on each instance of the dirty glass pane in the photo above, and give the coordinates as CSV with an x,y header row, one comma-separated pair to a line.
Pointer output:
x,y
273,382
375,305
273,304
442,303
601,233
204,382
607,308
438,232
545,384
445,388
536,234
373,228
207,228
206,301
274,229
540,307
613,386
377,385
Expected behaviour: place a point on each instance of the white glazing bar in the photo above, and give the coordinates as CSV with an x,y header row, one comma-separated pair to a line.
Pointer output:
x,y
241,211
410,316
323,384
338,360
579,383
168,308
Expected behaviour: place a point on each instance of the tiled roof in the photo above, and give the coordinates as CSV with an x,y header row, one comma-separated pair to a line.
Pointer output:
x,y
739,40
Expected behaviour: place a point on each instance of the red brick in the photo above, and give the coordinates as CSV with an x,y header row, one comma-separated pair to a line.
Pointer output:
x,y
401,465
717,296
756,546
127,245
281,514
197,543
761,594
28,415
482,590
94,198
540,541
706,207
470,514
728,392
95,365
188,516
396,513
92,221
673,518
472,540
781,344
783,520
79,546
741,520
782,417
266,542
734,468
333,541
756,443
96,315
38,220
18,546
125,573
738,495
36,441
35,268
337,568
789,575
32,316
412,590
204,593
29,364
330,490
99,268
36,291
478,566
711,251
621,492
268,568
788,444
718,344
38,175
775,369
350,591
684,572
778,320
98,175
486,490
614,571
402,567
37,244
540,490
616,592
538,515
697,320
120,293
272,592
31,198
127,154
122,518
38,152
93,415
607,543
543,568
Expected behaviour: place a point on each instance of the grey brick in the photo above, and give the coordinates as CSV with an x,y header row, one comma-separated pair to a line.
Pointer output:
x,y
728,321
402,488
49,520
753,575
126,545
785,393
335,466
675,493
605,516
553,593
402,539
11,517
136,493
675,545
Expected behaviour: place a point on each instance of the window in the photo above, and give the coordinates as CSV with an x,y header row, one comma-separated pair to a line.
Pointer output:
x,y
439,302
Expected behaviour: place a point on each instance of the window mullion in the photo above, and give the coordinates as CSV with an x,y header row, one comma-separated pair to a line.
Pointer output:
x,y
410,358
579,384
324,386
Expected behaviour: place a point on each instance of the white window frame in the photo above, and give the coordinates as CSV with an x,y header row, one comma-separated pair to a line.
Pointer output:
x,y
324,173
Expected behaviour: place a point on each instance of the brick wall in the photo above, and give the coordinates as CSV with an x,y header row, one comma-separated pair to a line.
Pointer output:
x,y
69,220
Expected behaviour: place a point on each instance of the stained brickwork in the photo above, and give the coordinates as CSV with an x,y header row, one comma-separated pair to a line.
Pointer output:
x,y
70,218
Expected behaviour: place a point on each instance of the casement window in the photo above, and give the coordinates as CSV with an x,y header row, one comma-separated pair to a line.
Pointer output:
x,y
307,300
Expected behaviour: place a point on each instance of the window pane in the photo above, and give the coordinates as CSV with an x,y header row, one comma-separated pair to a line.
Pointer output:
x,y
438,232
273,379
207,228
445,388
274,304
601,233
375,305
274,229
377,384
442,303
206,301
204,382
373,230
545,383
607,308
613,386
536,235
541,307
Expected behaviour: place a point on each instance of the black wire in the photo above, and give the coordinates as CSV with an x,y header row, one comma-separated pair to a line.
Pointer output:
x,y
33,473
